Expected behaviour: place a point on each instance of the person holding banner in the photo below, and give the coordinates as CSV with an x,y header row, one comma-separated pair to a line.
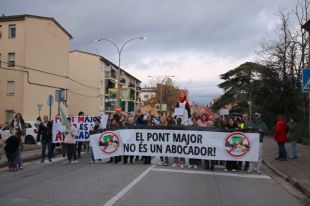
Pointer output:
x,y
138,120
203,122
231,165
260,126
97,128
149,121
80,144
244,124
114,125
178,161
194,162
164,160
129,123
70,133
45,132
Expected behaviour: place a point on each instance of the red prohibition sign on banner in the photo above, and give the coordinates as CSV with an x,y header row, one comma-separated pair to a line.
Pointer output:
x,y
237,145
109,142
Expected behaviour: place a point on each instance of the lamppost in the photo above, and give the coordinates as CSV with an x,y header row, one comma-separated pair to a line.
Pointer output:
x,y
161,90
306,27
119,50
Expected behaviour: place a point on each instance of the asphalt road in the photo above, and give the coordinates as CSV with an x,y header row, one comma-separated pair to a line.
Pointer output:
x,y
125,185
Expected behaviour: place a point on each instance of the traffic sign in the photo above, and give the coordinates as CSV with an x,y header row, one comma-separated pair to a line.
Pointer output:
x,y
224,112
50,100
306,80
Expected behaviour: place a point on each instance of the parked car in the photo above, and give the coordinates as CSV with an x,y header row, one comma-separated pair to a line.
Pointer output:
x,y
31,132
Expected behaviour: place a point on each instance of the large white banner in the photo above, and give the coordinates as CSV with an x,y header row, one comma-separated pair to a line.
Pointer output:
x,y
83,125
213,145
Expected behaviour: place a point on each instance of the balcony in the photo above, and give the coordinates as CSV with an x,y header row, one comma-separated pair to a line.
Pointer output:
x,y
110,75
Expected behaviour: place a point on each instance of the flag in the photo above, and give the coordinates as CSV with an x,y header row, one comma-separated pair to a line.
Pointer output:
x,y
64,120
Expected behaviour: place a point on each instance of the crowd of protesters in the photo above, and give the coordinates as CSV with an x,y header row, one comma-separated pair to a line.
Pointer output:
x,y
72,149
152,119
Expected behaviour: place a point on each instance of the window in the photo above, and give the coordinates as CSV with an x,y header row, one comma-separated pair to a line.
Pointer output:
x,y
12,31
0,31
11,58
11,88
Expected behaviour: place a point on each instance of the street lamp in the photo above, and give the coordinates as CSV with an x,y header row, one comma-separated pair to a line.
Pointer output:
x,y
119,50
161,89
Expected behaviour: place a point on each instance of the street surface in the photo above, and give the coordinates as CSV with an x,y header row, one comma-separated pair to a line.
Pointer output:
x,y
131,185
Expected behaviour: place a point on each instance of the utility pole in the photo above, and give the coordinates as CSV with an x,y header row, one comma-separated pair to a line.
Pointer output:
x,y
306,27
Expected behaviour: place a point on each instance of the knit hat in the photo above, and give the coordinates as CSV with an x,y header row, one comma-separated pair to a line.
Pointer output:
x,y
258,115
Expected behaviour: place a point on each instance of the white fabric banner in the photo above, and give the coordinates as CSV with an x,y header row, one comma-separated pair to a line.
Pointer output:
x,y
213,145
83,125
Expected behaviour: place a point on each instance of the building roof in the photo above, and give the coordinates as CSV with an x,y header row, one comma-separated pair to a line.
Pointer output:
x,y
84,52
108,62
24,16
148,89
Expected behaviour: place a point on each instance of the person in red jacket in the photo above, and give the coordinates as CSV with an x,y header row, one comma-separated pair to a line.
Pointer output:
x,y
280,136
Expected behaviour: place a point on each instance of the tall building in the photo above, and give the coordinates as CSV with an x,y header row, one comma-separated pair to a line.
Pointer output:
x,y
99,94
34,63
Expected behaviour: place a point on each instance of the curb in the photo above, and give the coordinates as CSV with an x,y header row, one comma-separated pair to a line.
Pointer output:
x,y
293,181
29,159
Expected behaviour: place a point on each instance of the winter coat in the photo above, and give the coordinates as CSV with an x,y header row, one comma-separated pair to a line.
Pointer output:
x,y
45,131
294,132
280,132
11,144
18,124
70,135
261,127
96,129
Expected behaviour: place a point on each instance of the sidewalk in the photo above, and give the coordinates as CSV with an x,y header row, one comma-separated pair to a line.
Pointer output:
x,y
294,171
31,152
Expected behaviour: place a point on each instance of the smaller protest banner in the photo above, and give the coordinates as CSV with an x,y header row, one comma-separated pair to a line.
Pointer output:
x,y
82,123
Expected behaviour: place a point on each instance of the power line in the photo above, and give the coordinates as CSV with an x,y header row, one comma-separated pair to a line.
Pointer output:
x,y
58,75
76,93
44,85
30,82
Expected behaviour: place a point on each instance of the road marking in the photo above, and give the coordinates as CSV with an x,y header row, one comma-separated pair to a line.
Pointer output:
x,y
56,159
211,173
132,184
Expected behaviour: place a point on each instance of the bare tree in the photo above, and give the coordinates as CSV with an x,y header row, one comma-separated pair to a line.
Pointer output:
x,y
286,56
166,91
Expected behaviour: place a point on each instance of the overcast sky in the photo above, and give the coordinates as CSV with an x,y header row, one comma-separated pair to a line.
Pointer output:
x,y
195,41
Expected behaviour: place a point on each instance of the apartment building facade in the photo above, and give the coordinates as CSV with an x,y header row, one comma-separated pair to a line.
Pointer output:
x,y
100,94
34,63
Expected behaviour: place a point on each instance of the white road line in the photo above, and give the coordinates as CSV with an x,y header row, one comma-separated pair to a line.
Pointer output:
x,y
212,173
131,185
56,159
